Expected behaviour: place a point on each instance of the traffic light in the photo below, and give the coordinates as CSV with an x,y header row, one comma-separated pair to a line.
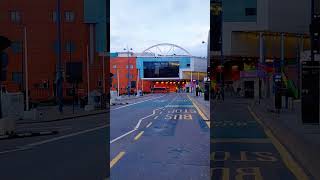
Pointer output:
x,y
4,43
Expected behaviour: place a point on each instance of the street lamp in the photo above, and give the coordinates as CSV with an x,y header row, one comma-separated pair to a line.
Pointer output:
x,y
129,84
59,67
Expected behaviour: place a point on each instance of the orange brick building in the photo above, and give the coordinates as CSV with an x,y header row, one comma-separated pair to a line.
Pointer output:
x,y
39,19
119,68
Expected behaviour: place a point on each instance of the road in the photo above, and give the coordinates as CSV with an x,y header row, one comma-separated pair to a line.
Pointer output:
x,y
243,148
164,138
79,151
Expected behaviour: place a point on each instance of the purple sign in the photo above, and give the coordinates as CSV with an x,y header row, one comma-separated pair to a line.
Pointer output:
x,y
248,74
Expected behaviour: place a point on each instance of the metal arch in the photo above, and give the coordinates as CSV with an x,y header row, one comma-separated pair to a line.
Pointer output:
x,y
166,44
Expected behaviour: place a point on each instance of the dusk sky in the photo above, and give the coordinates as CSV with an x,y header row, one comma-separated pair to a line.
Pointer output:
x,y
140,24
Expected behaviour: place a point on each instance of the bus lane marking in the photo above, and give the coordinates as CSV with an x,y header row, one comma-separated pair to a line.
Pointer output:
x,y
287,158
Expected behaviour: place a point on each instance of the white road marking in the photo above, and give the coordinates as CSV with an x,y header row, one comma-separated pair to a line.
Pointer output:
x,y
149,125
65,136
13,150
135,103
139,122
180,106
116,139
156,117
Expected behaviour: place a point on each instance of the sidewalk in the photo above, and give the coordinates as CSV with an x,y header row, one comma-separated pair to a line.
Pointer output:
x,y
51,113
303,142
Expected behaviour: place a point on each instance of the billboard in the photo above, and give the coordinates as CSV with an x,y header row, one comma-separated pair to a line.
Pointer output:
x,y
166,69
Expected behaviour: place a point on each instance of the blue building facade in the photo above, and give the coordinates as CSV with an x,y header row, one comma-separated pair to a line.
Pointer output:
x,y
184,62
239,10
95,11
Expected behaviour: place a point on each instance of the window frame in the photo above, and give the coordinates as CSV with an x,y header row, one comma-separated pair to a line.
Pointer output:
x,y
15,16
69,16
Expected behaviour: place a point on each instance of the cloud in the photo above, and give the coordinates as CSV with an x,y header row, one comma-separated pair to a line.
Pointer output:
x,y
143,23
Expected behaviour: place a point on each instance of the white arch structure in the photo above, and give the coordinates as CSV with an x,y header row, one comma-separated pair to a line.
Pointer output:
x,y
162,48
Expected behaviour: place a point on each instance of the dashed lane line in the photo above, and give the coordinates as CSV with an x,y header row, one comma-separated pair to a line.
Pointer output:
x,y
139,122
136,127
116,159
288,160
138,136
149,125
136,103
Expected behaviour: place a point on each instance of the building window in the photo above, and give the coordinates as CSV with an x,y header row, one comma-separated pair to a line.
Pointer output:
x,y
17,46
17,77
251,11
188,65
114,66
129,76
115,86
15,16
54,16
131,66
127,66
70,46
69,16
115,76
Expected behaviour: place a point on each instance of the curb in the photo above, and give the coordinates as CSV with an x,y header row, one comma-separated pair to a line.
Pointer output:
x,y
202,107
201,112
64,118
29,134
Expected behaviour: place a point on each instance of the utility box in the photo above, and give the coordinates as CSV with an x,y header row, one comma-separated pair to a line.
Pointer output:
x,y
7,125
12,105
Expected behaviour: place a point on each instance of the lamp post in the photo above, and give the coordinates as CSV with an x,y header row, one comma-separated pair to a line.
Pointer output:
x,y
58,68
129,85
26,67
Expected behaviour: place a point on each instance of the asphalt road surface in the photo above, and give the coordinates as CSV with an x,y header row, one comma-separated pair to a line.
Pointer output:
x,y
242,148
79,151
163,138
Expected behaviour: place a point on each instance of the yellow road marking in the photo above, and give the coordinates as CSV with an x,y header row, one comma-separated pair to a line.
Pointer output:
x,y
242,140
116,159
288,160
149,124
139,135
204,117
